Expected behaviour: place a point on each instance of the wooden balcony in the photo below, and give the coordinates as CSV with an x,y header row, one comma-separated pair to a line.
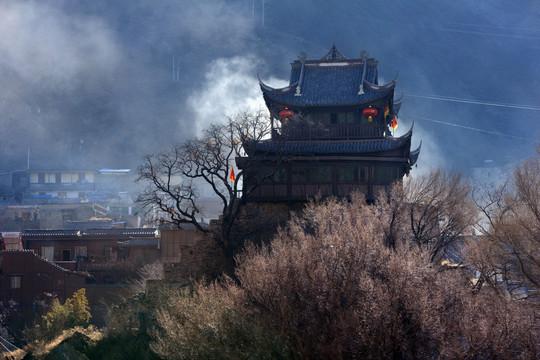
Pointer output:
x,y
330,132
302,192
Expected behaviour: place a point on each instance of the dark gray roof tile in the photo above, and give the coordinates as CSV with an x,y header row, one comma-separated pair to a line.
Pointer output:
x,y
139,243
332,80
350,147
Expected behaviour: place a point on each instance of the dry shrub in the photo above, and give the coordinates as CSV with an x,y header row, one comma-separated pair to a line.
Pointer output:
x,y
127,333
509,251
74,312
212,322
153,271
338,291
431,211
69,344
493,327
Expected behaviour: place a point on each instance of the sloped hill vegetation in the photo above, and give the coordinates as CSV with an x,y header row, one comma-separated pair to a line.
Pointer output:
x,y
347,280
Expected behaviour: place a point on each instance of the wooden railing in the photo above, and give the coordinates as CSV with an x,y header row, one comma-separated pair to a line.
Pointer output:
x,y
331,132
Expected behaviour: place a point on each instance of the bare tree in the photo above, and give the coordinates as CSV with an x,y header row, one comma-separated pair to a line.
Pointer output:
x,y
148,272
432,210
175,176
440,210
509,252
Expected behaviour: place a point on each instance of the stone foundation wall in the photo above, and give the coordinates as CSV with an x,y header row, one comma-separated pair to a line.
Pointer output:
x,y
260,221
189,255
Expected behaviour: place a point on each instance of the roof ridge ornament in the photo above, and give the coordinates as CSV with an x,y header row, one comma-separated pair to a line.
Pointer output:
x,y
364,55
302,57
334,54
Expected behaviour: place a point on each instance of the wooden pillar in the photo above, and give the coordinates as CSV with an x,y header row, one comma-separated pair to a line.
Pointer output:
x,y
369,194
334,179
289,181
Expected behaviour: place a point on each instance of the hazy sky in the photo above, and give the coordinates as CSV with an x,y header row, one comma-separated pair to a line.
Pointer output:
x,y
93,84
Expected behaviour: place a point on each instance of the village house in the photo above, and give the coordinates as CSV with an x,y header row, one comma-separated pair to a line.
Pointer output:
x,y
49,199
28,282
56,263
23,274
48,184
109,255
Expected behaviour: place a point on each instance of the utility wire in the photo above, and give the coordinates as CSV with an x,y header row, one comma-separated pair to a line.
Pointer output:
x,y
483,33
507,34
471,128
500,27
472,101
3,342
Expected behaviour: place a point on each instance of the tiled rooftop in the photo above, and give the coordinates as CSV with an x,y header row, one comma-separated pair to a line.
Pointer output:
x,y
350,147
138,232
139,243
330,81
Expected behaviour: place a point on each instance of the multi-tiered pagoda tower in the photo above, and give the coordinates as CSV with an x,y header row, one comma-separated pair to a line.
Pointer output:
x,y
332,133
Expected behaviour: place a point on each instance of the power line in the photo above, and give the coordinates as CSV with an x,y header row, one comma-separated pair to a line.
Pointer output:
x,y
483,33
473,101
472,128
509,32
500,27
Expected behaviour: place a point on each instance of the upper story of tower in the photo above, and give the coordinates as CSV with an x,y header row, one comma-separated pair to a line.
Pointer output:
x,y
334,97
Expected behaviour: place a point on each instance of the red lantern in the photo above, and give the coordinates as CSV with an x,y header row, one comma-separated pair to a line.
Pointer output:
x,y
370,112
286,113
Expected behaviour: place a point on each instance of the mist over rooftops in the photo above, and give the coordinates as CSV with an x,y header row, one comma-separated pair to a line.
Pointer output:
x,y
96,85
114,171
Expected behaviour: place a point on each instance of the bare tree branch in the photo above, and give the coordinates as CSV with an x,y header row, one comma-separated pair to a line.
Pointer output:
x,y
175,177
509,252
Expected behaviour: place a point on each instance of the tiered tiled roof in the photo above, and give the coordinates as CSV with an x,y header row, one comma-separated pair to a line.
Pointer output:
x,y
413,156
334,80
361,147
349,147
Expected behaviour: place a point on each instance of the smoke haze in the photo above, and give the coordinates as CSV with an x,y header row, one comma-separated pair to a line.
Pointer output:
x,y
230,86
93,84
